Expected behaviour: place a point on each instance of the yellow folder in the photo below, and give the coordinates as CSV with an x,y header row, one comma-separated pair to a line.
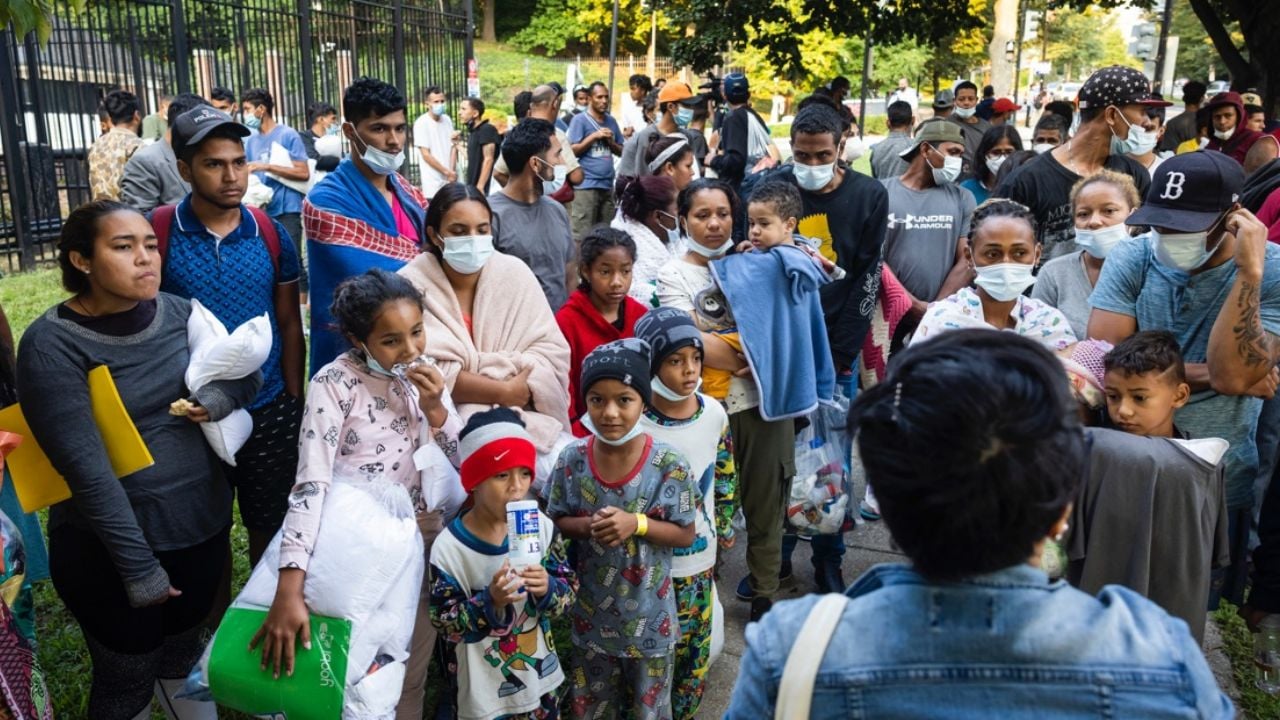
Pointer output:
x,y
37,483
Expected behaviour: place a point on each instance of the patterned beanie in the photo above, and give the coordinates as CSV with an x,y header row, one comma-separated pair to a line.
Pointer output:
x,y
626,361
492,442
667,330
1084,365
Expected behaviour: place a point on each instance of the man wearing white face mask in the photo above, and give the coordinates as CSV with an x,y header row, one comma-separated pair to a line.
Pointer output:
x,y
433,139
1113,105
928,223
1153,130
965,117
1229,132
846,212
364,214
1206,273
526,223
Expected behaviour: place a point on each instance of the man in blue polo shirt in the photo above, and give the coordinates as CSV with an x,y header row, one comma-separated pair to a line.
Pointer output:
x,y
1206,273
596,139
219,252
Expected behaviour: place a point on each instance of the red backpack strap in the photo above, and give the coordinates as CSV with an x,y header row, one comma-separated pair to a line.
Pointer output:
x,y
267,229
162,222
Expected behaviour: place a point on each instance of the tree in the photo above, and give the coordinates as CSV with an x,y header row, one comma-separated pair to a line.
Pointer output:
x,y
488,33
777,27
1196,54
27,15
1255,65
1081,42
585,25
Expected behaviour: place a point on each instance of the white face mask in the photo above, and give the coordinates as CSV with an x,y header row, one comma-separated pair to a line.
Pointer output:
x,y
813,177
1005,281
711,253
1075,125
673,233
379,161
631,434
964,113
437,109
994,162
1099,243
1138,141
1042,148
1183,251
467,254
950,170
661,390
1224,135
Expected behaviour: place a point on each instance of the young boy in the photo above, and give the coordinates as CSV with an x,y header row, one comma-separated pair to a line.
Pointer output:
x,y
625,500
773,214
1146,382
498,616
697,427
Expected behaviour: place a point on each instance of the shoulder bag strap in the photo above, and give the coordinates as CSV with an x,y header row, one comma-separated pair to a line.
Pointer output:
x,y
795,692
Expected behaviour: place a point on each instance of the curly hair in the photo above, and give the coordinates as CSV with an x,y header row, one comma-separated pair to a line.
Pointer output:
x,y
358,300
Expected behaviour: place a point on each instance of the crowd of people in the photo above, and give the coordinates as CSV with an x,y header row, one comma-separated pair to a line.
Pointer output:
x,y
629,320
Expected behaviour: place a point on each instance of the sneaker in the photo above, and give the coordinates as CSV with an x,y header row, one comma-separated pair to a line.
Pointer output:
x,y
746,593
867,512
759,607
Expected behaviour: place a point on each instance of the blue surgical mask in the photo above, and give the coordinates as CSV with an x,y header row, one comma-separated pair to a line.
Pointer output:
x,y
1138,141
632,434
1004,281
711,253
468,254
813,177
673,234
253,122
437,109
684,116
375,367
1099,243
332,130
379,161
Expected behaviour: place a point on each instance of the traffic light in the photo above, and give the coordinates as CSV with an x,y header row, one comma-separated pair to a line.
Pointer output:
x,y
1144,41
1031,25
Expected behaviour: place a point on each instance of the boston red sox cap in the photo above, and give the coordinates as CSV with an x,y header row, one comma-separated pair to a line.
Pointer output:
x,y
1189,192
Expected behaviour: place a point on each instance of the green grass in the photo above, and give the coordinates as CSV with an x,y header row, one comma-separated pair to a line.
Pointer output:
x,y
1238,643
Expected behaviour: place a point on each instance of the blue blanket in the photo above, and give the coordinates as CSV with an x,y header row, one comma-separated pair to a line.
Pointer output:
x,y
350,228
774,297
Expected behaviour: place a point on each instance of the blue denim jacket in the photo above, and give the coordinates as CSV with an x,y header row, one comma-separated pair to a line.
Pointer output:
x,y
1010,645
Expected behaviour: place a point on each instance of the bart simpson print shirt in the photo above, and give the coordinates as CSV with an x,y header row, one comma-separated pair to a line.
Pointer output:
x,y
626,606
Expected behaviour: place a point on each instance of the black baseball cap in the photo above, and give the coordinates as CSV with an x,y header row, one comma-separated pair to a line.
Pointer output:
x,y
193,126
736,89
557,87
1189,192
1117,85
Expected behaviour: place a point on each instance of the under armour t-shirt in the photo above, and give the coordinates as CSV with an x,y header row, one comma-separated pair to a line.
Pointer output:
x,y
923,229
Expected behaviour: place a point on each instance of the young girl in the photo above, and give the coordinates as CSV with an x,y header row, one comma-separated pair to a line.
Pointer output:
x,y
698,427
626,500
499,616
600,311
365,412
1099,203
1003,252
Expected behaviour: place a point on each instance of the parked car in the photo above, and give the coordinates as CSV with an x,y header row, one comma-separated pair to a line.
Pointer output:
x,y
1215,87
1067,91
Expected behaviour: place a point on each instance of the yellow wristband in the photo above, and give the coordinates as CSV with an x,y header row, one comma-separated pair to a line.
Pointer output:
x,y
642,524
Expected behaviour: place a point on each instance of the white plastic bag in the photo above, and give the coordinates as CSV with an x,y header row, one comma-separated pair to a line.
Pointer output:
x,y
818,502
717,627
217,355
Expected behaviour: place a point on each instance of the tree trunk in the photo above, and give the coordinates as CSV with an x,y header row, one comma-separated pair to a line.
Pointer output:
x,y
488,33
1261,27
1006,26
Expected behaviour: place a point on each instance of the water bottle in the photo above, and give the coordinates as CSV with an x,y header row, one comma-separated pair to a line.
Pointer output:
x,y
524,541
1266,655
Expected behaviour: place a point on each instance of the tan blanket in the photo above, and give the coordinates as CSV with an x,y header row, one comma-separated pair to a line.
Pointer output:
x,y
513,328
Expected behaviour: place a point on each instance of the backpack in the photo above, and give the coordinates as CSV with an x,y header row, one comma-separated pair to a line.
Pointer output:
x,y
162,223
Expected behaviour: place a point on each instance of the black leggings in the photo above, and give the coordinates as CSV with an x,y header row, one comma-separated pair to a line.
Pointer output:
x,y
132,647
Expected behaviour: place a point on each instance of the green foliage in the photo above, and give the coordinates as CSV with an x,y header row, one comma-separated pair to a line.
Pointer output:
x,y
27,15
1084,40
1237,641
584,27
780,27
1196,53
502,74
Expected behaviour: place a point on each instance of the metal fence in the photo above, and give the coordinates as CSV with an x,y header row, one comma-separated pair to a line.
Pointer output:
x,y
299,50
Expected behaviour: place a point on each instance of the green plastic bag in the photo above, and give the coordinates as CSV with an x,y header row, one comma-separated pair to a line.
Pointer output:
x,y
314,692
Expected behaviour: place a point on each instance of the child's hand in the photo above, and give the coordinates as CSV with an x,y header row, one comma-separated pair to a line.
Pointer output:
x,y
536,581
727,542
611,527
506,588
430,383
288,619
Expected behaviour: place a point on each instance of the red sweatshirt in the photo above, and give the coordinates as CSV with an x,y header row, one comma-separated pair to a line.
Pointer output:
x,y
586,329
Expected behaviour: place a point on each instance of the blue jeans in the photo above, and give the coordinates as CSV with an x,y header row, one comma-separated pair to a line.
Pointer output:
x,y
826,548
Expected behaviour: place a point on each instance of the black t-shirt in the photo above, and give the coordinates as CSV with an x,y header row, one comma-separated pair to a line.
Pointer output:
x,y
483,134
1044,185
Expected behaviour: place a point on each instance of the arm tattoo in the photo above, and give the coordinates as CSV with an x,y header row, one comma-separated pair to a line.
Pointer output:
x,y
1253,344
